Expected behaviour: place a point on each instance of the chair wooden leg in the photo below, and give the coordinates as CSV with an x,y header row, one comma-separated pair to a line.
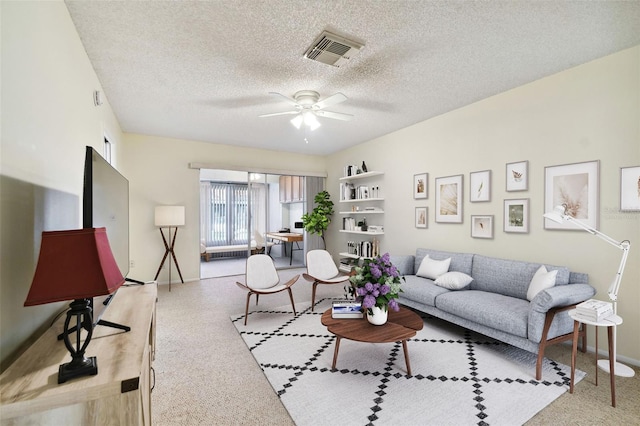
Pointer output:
x,y
313,294
292,303
246,311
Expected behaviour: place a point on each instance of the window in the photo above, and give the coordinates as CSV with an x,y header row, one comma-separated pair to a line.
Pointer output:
x,y
227,214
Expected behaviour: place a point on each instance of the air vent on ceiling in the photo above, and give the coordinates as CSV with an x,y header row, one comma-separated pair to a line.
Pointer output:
x,y
332,49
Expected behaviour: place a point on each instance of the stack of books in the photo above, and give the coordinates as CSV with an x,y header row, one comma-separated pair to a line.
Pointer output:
x,y
347,264
341,309
594,310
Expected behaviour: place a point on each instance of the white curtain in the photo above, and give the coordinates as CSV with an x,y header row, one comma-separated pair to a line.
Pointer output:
x,y
224,212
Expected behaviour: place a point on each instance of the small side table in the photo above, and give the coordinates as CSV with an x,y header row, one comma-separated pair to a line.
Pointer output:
x,y
610,322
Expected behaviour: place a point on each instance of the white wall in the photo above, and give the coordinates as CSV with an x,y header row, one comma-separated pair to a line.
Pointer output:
x,y
159,173
591,112
48,117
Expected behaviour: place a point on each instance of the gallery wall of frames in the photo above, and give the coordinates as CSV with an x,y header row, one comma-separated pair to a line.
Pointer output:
x,y
575,186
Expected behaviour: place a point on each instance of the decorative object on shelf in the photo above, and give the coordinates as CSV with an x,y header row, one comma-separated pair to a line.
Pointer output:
x,y
364,167
363,225
449,199
576,186
516,215
420,186
376,284
75,265
480,186
319,219
517,177
482,226
169,217
561,214
421,217
630,189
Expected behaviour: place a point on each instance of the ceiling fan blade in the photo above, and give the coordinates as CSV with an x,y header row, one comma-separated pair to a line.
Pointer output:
x,y
336,115
279,113
285,98
331,100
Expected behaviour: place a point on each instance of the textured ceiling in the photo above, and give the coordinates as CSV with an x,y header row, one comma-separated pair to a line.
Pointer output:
x,y
202,70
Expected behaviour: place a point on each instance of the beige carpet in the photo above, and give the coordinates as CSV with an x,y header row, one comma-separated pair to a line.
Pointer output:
x,y
206,376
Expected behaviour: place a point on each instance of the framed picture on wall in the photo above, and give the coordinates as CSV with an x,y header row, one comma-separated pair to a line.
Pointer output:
x,y
630,189
575,186
449,199
482,226
516,215
422,217
420,186
480,186
517,176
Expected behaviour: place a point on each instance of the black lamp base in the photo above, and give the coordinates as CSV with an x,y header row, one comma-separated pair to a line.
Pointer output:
x,y
73,369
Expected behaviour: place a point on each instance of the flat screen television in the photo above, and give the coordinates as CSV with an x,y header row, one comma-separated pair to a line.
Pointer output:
x,y
105,203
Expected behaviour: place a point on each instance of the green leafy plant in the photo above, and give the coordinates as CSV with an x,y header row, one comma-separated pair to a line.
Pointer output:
x,y
319,219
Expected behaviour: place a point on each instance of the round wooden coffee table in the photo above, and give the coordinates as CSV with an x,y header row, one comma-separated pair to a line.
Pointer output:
x,y
400,326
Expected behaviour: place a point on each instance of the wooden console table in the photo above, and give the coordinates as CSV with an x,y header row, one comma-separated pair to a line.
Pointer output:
x,y
120,394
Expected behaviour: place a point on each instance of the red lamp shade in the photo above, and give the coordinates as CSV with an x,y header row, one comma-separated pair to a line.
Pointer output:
x,y
74,264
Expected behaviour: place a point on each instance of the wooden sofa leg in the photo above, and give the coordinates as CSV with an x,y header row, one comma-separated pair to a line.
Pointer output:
x,y
544,341
548,319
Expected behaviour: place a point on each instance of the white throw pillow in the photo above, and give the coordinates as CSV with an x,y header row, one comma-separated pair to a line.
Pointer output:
x,y
432,269
541,280
453,280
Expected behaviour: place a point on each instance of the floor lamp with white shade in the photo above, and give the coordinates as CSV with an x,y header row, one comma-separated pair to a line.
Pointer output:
x,y
169,217
558,215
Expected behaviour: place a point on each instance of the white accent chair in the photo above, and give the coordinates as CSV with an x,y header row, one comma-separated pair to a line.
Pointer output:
x,y
322,270
262,278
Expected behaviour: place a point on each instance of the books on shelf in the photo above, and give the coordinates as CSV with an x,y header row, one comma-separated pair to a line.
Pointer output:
x,y
594,310
346,309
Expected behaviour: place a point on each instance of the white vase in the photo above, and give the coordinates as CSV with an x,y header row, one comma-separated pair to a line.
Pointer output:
x,y
378,317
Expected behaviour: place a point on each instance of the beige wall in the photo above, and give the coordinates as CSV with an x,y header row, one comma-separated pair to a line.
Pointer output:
x,y
159,173
48,117
591,112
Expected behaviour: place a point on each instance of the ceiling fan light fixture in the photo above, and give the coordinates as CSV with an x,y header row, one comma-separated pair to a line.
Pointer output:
x,y
311,120
297,121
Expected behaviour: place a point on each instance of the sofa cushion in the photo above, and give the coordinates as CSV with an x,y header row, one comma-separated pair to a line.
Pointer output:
x,y
421,290
453,280
508,277
432,269
493,310
403,263
460,262
541,280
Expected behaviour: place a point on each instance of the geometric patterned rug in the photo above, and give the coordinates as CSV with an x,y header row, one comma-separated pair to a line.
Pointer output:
x,y
459,377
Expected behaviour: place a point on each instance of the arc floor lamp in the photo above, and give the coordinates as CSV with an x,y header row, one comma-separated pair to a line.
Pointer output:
x,y
559,215
169,217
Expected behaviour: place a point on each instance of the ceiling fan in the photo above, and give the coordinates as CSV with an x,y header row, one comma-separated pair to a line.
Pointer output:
x,y
308,107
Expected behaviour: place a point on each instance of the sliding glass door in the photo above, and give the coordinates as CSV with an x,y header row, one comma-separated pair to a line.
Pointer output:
x,y
245,213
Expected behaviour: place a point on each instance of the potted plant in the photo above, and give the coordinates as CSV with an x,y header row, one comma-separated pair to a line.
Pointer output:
x,y
319,219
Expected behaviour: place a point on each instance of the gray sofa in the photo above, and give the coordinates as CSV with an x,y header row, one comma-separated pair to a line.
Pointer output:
x,y
495,302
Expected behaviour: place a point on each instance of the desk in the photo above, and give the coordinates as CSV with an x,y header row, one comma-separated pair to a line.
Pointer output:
x,y
609,322
286,237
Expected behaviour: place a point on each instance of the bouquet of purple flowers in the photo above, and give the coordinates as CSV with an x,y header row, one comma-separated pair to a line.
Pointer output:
x,y
377,283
